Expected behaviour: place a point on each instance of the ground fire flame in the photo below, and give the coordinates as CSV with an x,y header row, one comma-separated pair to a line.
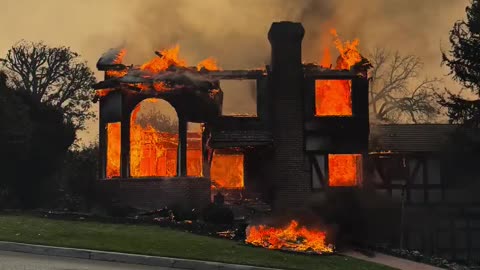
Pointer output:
x,y
333,97
293,237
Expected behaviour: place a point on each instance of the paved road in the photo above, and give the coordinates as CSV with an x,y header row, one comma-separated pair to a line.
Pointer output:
x,y
23,261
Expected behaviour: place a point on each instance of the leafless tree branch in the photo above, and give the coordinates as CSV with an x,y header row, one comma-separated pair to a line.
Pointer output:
x,y
396,93
53,75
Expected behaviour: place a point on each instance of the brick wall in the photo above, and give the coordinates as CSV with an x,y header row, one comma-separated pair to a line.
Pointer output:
x,y
184,192
290,177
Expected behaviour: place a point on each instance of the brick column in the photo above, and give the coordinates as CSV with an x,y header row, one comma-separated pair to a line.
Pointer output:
x,y
182,147
289,178
102,146
102,139
125,139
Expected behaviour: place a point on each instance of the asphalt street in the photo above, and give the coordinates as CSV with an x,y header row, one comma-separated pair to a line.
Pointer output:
x,y
24,261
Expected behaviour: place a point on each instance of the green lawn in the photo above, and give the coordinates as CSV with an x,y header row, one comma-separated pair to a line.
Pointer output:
x,y
153,240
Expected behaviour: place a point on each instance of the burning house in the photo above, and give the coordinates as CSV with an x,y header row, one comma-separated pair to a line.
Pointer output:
x,y
310,132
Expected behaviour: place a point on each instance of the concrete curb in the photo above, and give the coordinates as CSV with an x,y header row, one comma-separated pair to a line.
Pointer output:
x,y
122,257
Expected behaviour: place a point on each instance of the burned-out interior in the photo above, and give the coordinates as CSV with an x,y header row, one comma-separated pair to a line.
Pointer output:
x,y
316,120
227,169
344,170
333,98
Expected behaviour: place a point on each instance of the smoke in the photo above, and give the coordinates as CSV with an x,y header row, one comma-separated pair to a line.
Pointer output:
x,y
234,32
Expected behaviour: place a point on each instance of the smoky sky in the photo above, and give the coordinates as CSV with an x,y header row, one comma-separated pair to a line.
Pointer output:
x,y
232,31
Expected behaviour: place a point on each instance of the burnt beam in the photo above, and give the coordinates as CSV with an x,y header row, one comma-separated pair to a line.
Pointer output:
x,y
102,147
320,74
107,84
113,67
236,74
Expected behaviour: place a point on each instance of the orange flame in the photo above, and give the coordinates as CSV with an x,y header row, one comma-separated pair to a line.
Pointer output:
x,y
118,60
227,170
344,170
166,58
292,237
152,153
349,54
208,64
169,57
334,97
120,56
326,59
113,149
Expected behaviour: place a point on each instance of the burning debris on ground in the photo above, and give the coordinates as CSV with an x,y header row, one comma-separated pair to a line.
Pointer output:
x,y
292,237
230,155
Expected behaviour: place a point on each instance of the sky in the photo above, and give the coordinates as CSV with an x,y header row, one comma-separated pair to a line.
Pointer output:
x,y
232,31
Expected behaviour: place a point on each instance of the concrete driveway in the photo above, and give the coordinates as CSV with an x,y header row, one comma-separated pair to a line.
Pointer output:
x,y
24,261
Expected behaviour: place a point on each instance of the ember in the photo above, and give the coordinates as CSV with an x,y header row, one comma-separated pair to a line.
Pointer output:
x,y
292,237
333,97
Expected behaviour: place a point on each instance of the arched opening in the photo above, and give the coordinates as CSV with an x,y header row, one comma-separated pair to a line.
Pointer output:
x,y
153,139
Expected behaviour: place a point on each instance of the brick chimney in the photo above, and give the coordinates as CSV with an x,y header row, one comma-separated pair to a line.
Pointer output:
x,y
290,177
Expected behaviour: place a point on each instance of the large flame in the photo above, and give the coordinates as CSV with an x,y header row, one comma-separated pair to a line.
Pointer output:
x,y
334,97
113,149
208,64
165,59
292,237
171,58
152,153
227,170
344,169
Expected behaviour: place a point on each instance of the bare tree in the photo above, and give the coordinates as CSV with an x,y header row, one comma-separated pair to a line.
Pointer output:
x,y
53,75
396,93
153,116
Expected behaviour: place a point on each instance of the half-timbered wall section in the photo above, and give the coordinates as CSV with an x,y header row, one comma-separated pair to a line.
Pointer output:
x,y
406,159
441,217
328,135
